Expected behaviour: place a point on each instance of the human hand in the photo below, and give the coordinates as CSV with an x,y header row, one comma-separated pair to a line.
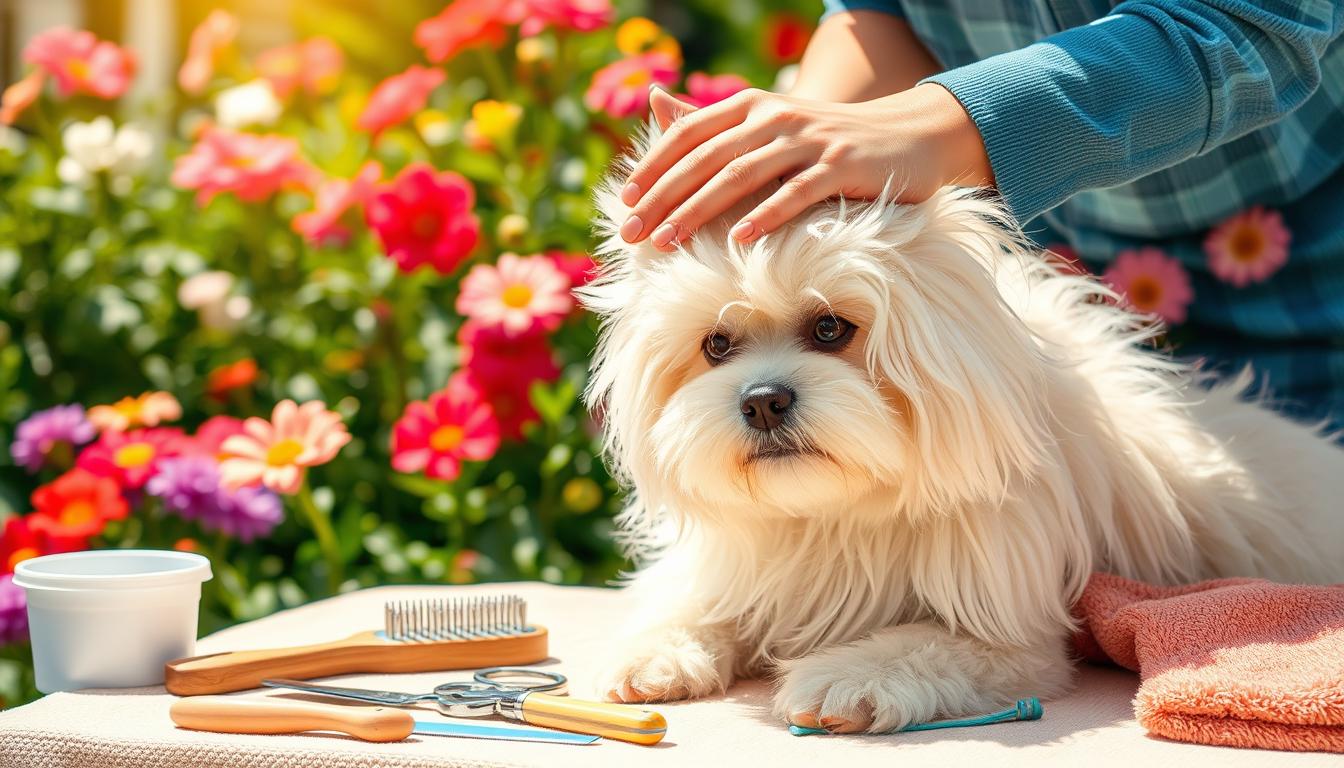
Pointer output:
x,y
709,159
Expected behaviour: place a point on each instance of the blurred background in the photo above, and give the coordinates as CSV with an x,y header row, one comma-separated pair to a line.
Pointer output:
x,y
379,209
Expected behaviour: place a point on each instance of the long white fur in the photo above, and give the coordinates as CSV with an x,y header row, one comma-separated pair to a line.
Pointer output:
x,y
1006,434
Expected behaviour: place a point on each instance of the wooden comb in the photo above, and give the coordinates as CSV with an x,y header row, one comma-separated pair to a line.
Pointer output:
x,y
417,636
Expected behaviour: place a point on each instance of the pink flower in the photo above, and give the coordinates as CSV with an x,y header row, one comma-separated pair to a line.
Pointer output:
x,y
253,167
503,369
435,437
517,295
422,217
621,89
703,90
209,37
398,98
534,16
132,457
578,267
148,410
81,63
1151,283
21,96
1248,247
463,24
314,65
276,453
335,200
210,436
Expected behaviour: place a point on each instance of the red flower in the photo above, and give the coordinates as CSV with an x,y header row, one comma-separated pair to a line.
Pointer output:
x,y
327,223
435,437
130,458
422,217
77,505
398,98
579,267
463,24
226,378
503,370
210,436
19,541
786,36
81,63
314,65
534,16
252,167
703,89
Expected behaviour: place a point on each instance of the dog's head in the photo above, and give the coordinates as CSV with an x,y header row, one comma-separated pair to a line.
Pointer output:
x,y
862,350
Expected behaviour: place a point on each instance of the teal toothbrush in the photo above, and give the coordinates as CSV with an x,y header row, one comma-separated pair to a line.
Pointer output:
x,y
1025,709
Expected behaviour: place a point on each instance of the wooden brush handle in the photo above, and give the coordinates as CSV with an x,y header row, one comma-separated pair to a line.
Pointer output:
x,y
366,653
610,721
233,714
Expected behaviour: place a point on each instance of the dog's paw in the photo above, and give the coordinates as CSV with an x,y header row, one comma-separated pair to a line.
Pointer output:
x,y
667,666
845,693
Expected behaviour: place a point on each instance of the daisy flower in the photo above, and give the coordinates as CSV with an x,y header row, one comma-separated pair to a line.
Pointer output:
x,y
621,89
76,505
276,453
456,424
1248,247
148,410
518,294
132,457
1152,283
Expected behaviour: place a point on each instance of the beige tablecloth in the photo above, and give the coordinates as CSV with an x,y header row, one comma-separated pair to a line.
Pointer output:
x,y
1093,726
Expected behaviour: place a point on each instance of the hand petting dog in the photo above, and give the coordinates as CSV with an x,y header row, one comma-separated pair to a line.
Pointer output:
x,y
710,159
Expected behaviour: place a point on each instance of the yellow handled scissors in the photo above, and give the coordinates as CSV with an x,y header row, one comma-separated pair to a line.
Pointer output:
x,y
528,695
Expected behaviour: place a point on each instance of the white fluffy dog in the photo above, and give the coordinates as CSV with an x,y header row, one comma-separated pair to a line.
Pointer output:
x,y
878,453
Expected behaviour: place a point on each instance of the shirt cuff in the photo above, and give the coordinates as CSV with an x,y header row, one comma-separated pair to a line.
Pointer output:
x,y
832,7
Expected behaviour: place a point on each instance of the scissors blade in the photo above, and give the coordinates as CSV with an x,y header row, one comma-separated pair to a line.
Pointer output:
x,y
503,733
358,694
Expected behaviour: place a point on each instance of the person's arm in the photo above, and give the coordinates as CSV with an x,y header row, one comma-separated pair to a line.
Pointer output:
x,y
1152,83
861,55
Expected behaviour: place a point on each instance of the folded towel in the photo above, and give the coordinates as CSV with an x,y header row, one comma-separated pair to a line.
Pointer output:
x,y
1234,662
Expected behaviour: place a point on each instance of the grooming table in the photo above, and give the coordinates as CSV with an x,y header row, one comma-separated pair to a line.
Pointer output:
x,y
1093,726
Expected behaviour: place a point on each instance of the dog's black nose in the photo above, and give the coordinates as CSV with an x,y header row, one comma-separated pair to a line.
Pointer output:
x,y
764,405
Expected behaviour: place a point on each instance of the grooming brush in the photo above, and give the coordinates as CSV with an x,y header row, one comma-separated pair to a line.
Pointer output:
x,y
417,636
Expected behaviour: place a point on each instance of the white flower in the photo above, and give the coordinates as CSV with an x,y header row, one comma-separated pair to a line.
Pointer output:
x,y
785,78
251,103
208,294
12,141
99,146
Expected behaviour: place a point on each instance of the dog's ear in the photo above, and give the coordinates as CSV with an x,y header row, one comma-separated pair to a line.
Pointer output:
x,y
969,379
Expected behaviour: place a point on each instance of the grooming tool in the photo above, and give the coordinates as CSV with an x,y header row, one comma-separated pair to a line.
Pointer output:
x,y
1025,709
520,698
236,714
417,636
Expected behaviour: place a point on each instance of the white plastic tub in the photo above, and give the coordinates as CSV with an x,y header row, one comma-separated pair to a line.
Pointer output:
x,y
110,618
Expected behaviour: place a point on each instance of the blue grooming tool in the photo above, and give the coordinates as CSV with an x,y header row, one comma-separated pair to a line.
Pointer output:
x,y
1025,709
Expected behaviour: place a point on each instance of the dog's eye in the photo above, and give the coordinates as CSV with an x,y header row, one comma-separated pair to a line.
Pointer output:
x,y
717,346
831,332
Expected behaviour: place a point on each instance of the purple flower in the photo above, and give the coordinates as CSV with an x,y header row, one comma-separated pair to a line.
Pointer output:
x,y
189,486
13,612
248,512
51,436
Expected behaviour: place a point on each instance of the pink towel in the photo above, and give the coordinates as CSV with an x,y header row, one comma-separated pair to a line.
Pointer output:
x,y
1235,662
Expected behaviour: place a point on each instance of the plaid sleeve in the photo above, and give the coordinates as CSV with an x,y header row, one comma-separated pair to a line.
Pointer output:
x,y
1151,84
833,7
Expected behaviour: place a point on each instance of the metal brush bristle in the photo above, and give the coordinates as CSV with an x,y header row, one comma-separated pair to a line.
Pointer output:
x,y
458,618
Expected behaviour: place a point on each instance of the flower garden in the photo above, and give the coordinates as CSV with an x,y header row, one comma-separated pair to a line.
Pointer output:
x,y
311,315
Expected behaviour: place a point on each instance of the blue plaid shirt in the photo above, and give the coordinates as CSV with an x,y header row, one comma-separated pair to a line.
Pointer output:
x,y
1149,122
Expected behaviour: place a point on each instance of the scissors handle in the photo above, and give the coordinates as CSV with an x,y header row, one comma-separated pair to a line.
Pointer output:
x,y
610,721
238,714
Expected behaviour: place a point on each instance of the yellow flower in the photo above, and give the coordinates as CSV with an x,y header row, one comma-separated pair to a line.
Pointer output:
x,y
434,127
640,35
532,50
495,120
147,410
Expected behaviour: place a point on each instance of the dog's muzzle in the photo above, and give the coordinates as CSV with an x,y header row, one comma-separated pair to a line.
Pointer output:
x,y
764,406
